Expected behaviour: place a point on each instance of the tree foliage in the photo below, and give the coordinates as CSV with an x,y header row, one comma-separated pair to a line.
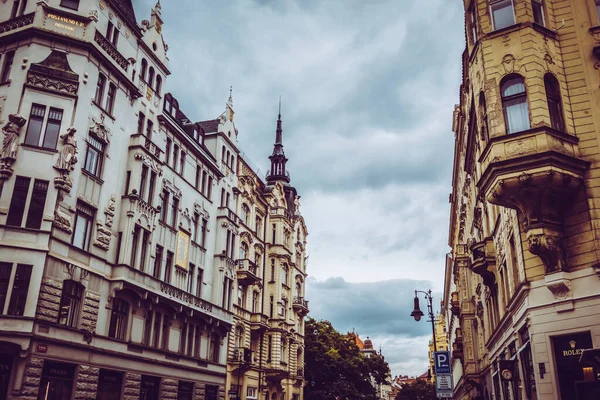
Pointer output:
x,y
335,368
418,390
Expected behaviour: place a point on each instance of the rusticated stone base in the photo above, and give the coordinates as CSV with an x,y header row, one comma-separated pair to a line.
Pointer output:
x,y
87,383
199,394
132,386
168,389
49,301
31,379
90,311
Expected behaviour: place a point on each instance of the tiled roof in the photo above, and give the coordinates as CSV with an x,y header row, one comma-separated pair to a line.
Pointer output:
x,y
209,126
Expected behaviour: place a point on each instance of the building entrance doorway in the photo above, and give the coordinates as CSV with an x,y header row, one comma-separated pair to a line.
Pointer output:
x,y
6,362
567,350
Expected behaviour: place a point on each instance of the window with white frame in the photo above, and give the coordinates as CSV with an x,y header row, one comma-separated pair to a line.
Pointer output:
x,y
503,13
514,104
94,155
70,303
43,128
30,199
84,221
118,319
537,7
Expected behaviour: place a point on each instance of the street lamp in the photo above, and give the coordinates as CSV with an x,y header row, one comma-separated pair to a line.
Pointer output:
x,y
417,313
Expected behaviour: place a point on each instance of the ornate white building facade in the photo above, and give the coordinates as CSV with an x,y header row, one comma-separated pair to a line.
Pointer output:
x,y
119,236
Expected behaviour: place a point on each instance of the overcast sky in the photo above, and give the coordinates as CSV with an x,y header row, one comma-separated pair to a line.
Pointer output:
x,y
368,89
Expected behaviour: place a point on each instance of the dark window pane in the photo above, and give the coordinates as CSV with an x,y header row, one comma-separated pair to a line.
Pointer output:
x,y
70,304
118,319
149,387
34,128
100,89
17,203
36,205
110,98
18,296
57,381
503,14
109,385
5,270
538,12
74,4
8,62
52,128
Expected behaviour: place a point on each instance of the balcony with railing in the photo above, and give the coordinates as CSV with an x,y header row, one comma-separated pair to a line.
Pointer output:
x,y
247,272
483,260
225,212
16,23
111,50
141,141
537,172
259,321
300,305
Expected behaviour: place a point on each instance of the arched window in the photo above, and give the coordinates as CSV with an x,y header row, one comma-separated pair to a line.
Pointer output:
x,y
243,251
246,214
227,159
239,338
554,102
151,77
223,154
232,161
514,104
485,132
158,84
143,69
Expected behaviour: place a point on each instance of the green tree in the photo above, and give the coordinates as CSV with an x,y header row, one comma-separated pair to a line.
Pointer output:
x,y
419,390
335,368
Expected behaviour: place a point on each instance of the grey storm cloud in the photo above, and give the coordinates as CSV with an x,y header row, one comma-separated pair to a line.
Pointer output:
x,y
368,89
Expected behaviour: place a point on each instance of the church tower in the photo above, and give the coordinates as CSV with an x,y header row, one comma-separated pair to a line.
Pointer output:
x,y
278,159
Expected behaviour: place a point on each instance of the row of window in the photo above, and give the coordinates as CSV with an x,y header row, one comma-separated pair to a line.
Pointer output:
x,y
227,158
152,79
245,217
107,104
57,384
176,158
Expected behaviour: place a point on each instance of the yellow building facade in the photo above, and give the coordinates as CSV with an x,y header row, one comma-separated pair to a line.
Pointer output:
x,y
522,288
441,342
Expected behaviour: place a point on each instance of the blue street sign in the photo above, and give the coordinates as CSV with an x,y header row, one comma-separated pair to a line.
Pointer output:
x,y
441,362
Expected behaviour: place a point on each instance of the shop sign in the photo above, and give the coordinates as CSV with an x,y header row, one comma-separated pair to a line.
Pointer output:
x,y
64,24
109,377
58,370
569,348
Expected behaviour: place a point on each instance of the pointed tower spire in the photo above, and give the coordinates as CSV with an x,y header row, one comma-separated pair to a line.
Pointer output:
x,y
278,159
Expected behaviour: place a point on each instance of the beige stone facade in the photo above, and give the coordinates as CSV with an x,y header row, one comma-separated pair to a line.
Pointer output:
x,y
121,220
522,288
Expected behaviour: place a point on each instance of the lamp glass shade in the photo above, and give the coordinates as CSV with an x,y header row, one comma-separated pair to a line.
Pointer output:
x,y
416,313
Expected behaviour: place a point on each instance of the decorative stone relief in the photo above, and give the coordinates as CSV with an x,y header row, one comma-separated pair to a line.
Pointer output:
x,y
548,247
10,144
297,206
185,221
67,159
62,220
103,236
100,130
560,285
154,165
109,211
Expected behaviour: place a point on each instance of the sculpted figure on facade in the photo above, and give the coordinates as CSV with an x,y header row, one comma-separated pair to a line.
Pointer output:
x,y
10,144
68,153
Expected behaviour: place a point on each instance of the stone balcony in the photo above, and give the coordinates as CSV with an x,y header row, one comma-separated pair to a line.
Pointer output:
x,y
300,305
536,172
259,321
483,260
247,272
141,141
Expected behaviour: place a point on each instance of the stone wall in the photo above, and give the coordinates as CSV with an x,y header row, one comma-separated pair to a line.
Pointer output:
x,y
168,388
31,379
132,386
87,383
90,311
49,301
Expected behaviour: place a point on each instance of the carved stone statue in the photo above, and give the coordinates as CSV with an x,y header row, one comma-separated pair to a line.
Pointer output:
x,y
10,143
297,205
68,154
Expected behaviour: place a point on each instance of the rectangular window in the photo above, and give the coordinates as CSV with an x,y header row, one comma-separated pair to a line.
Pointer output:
x,y
538,12
473,22
166,324
15,289
147,328
36,204
156,329
503,14
36,121
143,178
127,182
73,4
214,348
110,98
168,152
94,156
100,89
149,127
174,211
203,233
190,283
168,267
118,319
135,241
7,66
17,203
84,221
204,176
158,255
199,279
151,187
185,390
212,392
15,9
70,304
182,163
141,121
164,209
209,188
274,232
52,128
145,244
198,178
175,156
